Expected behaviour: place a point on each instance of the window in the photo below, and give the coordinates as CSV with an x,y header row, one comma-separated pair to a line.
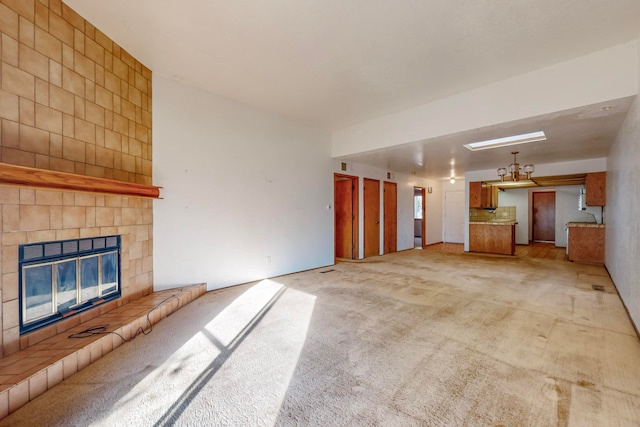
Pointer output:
x,y
59,279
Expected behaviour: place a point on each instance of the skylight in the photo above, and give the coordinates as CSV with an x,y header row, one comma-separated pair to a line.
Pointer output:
x,y
506,141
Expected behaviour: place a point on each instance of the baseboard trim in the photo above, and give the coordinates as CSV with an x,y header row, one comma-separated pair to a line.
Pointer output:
x,y
635,327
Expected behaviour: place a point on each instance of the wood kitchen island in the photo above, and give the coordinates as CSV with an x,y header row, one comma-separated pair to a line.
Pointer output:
x,y
495,237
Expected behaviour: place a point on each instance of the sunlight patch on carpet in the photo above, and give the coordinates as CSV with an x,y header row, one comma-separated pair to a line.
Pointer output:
x,y
223,357
233,320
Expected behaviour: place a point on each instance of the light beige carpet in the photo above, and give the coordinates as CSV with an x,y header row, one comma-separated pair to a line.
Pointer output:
x,y
410,339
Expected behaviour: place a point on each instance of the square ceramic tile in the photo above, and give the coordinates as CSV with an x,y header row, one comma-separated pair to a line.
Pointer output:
x,y
37,384
4,403
18,396
55,374
70,365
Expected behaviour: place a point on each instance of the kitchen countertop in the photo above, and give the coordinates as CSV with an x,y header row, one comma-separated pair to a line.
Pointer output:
x,y
496,222
585,224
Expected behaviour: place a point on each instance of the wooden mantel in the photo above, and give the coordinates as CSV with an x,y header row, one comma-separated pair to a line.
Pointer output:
x,y
53,180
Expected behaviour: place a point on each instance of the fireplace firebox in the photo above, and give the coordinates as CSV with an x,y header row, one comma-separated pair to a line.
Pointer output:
x,y
63,278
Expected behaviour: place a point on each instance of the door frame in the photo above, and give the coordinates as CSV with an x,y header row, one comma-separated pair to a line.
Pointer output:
x,y
356,216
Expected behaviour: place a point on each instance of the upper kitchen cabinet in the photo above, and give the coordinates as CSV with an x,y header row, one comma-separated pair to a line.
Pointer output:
x,y
475,194
482,195
595,186
489,196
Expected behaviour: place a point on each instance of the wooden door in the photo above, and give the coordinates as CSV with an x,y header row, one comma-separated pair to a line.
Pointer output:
x,y
544,216
390,217
371,217
345,202
343,195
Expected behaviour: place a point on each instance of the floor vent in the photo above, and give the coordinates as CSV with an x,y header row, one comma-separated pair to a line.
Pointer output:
x,y
327,271
598,288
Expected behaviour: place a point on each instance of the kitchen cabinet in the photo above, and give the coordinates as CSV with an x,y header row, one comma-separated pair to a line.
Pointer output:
x,y
492,237
595,186
482,195
489,196
586,242
475,194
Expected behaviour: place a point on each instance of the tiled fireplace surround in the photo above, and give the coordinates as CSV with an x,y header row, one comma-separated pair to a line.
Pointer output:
x,y
30,215
71,101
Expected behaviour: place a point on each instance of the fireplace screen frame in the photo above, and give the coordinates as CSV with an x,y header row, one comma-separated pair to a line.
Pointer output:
x,y
65,278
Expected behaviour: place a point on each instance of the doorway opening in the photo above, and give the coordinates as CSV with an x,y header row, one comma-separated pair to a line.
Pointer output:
x,y
419,217
345,202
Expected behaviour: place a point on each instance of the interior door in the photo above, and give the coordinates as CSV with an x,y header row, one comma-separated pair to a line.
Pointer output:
x,y
344,217
454,217
390,217
544,216
371,217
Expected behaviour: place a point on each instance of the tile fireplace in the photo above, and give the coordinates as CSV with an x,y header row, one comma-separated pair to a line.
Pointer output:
x,y
63,278
75,168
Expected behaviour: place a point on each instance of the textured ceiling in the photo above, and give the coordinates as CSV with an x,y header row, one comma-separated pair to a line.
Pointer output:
x,y
577,134
334,63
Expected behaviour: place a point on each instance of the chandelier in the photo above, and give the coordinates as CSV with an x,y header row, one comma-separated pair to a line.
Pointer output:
x,y
515,170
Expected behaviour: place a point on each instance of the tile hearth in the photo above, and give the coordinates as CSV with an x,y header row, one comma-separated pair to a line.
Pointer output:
x,y
28,373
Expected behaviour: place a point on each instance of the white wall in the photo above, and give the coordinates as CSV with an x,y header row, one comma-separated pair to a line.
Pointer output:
x,y
566,210
547,169
406,185
434,211
622,252
590,79
240,185
518,197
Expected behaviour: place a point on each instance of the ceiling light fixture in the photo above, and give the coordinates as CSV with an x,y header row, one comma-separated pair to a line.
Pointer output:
x,y
452,180
515,170
506,141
